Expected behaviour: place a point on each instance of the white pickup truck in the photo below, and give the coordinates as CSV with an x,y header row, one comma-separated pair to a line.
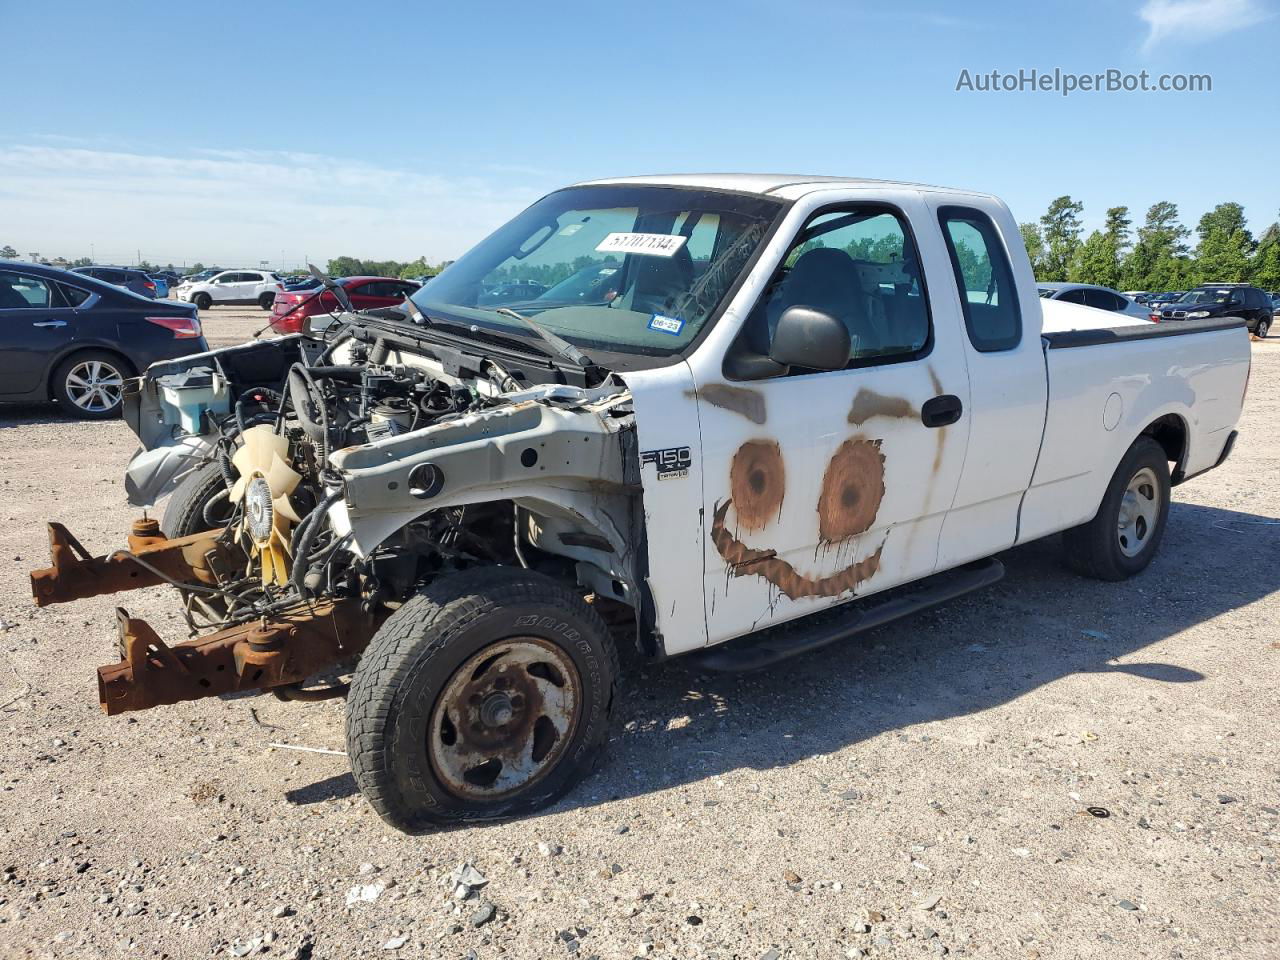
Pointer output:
x,y
728,414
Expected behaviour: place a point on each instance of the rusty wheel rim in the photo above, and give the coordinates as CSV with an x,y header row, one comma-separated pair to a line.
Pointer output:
x,y
505,718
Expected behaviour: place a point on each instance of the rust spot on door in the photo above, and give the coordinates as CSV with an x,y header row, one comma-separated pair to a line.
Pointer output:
x,y
740,400
867,404
757,483
852,489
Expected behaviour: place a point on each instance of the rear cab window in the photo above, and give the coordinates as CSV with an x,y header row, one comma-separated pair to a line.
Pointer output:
x,y
984,278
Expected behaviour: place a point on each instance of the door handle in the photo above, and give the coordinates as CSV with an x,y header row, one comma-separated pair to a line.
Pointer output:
x,y
941,411
50,323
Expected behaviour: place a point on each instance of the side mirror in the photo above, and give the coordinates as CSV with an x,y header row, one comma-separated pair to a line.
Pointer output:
x,y
810,338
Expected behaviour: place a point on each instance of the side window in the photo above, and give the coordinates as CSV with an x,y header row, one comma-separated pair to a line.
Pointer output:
x,y
1072,296
1103,300
860,265
984,278
74,296
251,278
18,291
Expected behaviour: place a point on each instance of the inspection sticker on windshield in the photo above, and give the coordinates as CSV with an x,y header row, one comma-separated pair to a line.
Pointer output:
x,y
645,244
671,325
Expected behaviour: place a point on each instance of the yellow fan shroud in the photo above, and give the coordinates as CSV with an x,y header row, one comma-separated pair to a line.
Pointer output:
x,y
265,482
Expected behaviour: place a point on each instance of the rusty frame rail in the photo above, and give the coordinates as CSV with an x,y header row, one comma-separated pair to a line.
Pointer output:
x,y
76,574
272,653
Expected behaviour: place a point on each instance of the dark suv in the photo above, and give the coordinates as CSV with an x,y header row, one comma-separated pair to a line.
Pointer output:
x,y
127,277
1223,300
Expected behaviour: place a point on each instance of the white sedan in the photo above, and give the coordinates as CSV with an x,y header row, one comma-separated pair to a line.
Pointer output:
x,y
1091,295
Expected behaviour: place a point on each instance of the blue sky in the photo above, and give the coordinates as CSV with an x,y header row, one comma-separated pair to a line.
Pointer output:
x,y
388,130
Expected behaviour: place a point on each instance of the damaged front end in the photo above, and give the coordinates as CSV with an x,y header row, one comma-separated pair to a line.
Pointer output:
x,y
324,483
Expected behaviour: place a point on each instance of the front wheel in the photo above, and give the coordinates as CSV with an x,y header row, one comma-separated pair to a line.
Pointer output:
x,y
485,696
1124,535
202,301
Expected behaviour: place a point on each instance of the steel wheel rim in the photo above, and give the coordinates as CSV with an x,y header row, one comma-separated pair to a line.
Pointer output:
x,y
1139,510
95,386
505,718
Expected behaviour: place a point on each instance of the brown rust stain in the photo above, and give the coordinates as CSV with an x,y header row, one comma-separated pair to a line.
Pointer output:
x,y
757,483
940,431
740,400
746,561
852,489
867,404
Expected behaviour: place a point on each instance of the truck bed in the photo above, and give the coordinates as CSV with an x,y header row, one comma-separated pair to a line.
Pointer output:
x,y
1125,376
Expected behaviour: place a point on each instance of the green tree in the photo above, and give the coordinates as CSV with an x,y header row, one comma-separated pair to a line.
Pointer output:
x,y
1264,269
1097,261
1117,229
1060,228
1158,260
8,253
82,262
1034,243
1225,246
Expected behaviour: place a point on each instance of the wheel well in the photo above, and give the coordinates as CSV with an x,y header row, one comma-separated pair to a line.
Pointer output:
x,y
1170,431
53,370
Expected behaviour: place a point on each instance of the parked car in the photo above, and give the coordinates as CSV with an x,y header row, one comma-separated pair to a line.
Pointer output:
x,y
595,284
511,291
127,277
1157,301
301,283
292,307
70,337
766,438
199,277
232,287
1090,295
1137,296
162,284
1222,300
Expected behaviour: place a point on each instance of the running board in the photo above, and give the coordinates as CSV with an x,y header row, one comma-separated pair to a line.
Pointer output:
x,y
767,647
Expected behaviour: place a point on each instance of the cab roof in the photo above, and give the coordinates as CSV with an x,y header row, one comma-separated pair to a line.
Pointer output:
x,y
788,185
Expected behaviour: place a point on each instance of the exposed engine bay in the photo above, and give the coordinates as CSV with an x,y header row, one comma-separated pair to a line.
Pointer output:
x,y
340,475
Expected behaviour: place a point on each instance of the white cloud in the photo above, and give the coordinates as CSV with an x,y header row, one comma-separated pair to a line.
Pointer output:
x,y
243,206
1195,20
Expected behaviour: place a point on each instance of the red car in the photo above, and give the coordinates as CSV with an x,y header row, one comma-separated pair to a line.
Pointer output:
x,y
292,307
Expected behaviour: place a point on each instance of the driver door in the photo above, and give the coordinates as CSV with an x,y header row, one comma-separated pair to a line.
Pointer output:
x,y
823,486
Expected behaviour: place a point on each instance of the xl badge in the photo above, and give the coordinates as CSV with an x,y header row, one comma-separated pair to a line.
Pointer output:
x,y
670,462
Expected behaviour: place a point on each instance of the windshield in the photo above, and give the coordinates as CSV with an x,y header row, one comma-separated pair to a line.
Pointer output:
x,y
1206,296
626,269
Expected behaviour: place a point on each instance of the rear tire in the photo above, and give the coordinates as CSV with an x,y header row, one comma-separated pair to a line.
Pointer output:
x,y
1264,326
1125,534
487,695
266,301
202,301
90,384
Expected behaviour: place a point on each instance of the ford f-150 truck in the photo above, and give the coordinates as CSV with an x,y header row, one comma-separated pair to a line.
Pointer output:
x,y
804,407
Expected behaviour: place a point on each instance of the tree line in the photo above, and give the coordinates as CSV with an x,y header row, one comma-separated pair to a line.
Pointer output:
x,y
1159,256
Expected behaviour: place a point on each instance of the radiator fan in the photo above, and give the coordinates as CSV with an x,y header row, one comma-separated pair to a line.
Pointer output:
x,y
266,480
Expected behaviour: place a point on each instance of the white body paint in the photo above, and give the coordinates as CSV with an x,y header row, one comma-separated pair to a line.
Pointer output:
x,y
1040,436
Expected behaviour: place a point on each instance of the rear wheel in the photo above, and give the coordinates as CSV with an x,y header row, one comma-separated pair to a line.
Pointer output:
x,y
1124,535
266,300
485,696
91,384
1263,327
202,301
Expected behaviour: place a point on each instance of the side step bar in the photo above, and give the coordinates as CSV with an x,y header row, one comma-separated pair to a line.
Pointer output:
x,y
820,629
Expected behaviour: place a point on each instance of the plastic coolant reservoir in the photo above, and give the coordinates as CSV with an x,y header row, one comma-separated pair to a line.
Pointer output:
x,y
187,395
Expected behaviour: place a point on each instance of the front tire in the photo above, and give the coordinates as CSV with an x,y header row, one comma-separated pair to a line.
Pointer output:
x,y
487,695
198,503
90,384
202,301
1125,534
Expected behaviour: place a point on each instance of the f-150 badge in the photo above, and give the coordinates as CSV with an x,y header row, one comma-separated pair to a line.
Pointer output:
x,y
670,462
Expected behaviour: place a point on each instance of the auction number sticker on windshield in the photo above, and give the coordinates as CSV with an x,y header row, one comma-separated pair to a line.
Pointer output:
x,y
645,244
671,325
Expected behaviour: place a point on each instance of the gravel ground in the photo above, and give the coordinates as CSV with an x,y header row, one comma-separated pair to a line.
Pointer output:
x,y
921,791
